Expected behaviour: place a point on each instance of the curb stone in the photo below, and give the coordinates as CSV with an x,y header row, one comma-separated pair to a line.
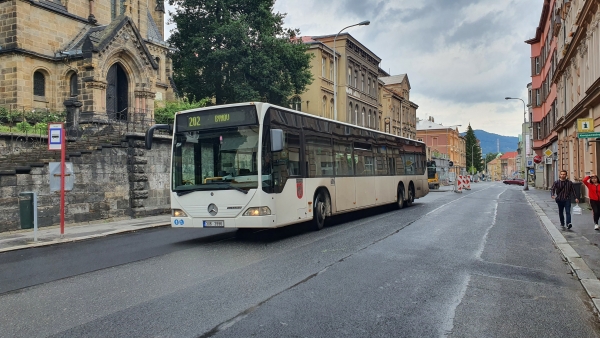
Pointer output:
x,y
82,238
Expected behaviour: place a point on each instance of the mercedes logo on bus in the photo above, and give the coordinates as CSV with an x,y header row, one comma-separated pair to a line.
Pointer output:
x,y
212,209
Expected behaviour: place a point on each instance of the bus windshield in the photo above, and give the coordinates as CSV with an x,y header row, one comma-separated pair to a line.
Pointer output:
x,y
216,159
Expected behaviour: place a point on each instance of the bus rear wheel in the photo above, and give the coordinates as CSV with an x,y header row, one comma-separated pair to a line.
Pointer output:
x,y
400,202
411,195
320,210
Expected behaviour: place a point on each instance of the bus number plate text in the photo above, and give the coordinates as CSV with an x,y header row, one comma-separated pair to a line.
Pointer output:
x,y
213,224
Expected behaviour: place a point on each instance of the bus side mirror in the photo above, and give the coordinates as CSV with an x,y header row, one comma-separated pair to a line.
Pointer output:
x,y
276,140
150,133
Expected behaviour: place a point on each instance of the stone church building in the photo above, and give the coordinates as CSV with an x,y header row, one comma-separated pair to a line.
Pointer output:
x,y
106,58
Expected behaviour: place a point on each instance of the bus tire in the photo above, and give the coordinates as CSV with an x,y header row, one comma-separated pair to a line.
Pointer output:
x,y
411,195
320,211
400,197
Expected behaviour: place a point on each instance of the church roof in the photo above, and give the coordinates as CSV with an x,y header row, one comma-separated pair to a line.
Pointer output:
x,y
153,31
98,37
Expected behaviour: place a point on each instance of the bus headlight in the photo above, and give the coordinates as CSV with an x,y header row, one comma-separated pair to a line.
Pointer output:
x,y
258,211
178,213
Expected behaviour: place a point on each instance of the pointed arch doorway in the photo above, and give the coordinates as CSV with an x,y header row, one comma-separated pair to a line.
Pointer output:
x,y
117,93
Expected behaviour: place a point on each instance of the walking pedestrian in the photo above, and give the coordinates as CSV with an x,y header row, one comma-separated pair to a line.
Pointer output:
x,y
593,185
561,191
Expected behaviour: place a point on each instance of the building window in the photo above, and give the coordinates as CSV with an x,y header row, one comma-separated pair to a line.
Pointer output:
x,y
356,79
296,104
73,89
369,86
363,117
350,114
331,109
39,84
331,70
362,82
324,106
356,115
323,67
157,59
349,76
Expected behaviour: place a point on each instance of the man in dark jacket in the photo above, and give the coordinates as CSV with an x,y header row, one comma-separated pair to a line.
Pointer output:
x,y
561,192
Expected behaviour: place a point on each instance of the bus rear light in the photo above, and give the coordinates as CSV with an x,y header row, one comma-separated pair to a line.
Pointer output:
x,y
178,213
258,211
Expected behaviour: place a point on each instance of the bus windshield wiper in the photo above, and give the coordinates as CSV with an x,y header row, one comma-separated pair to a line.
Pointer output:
x,y
185,192
236,188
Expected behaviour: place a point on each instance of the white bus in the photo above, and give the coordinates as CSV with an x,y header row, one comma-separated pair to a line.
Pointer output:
x,y
257,165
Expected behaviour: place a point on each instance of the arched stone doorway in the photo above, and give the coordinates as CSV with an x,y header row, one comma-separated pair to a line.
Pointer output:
x,y
117,93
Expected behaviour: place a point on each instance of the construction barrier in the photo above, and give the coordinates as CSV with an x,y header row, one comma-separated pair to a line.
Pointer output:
x,y
467,182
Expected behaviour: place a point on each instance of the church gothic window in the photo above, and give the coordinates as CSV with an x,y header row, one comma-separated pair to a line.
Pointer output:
x,y
74,91
39,84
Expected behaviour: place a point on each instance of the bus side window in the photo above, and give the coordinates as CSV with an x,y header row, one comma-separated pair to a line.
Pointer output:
x,y
343,159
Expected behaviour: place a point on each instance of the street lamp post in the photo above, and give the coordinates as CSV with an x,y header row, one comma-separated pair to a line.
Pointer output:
x,y
363,23
526,187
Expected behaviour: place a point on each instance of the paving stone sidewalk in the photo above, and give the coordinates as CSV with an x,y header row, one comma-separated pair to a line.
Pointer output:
x,y
578,245
22,239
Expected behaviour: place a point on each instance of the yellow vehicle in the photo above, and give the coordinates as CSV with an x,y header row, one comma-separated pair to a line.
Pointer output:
x,y
432,175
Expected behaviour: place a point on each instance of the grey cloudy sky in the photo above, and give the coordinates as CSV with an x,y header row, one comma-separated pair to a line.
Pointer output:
x,y
462,57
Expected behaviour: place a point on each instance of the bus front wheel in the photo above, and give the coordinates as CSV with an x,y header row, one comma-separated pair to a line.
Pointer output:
x,y
320,205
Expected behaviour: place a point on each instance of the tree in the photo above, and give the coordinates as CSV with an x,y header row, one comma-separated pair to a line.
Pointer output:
x,y
237,51
473,151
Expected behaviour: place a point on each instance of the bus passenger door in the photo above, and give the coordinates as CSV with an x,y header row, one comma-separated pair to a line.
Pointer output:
x,y
345,193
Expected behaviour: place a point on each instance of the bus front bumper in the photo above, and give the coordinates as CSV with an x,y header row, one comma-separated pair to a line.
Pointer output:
x,y
257,222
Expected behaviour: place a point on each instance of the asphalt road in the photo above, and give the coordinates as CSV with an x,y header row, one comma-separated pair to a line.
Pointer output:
x,y
477,264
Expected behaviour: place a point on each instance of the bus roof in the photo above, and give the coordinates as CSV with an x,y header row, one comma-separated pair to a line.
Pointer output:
x,y
263,106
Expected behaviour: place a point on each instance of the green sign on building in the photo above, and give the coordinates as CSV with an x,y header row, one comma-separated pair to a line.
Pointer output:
x,y
588,135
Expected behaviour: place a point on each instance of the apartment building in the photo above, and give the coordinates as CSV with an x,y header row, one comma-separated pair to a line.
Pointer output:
x,y
445,143
566,86
356,73
367,96
400,114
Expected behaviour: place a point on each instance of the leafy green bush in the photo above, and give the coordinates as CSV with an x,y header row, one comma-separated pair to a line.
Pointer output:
x,y
166,115
24,126
40,128
9,116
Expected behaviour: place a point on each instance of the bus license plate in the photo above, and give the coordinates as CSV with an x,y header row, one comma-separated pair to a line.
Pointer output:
x,y
214,224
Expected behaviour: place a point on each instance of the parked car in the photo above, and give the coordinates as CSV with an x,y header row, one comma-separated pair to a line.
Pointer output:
x,y
517,181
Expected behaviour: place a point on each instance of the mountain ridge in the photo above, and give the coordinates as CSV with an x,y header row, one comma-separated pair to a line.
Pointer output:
x,y
488,142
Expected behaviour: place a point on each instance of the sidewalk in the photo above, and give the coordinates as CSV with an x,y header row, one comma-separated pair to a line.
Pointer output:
x,y
23,239
579,245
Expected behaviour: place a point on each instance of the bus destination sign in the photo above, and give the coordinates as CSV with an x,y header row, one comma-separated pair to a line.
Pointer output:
x,y
217,118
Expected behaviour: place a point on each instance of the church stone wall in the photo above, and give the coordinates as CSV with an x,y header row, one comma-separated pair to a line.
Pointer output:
x,y
42,31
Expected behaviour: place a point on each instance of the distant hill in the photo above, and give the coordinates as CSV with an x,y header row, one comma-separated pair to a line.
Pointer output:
x,y
488,142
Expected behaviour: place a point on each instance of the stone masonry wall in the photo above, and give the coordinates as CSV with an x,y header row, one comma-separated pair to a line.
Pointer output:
x,y
110,183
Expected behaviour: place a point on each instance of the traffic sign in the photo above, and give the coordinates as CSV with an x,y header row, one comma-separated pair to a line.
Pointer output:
x,y
529,162
585,125
55,136
450,163
588,135
548,152
531,171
